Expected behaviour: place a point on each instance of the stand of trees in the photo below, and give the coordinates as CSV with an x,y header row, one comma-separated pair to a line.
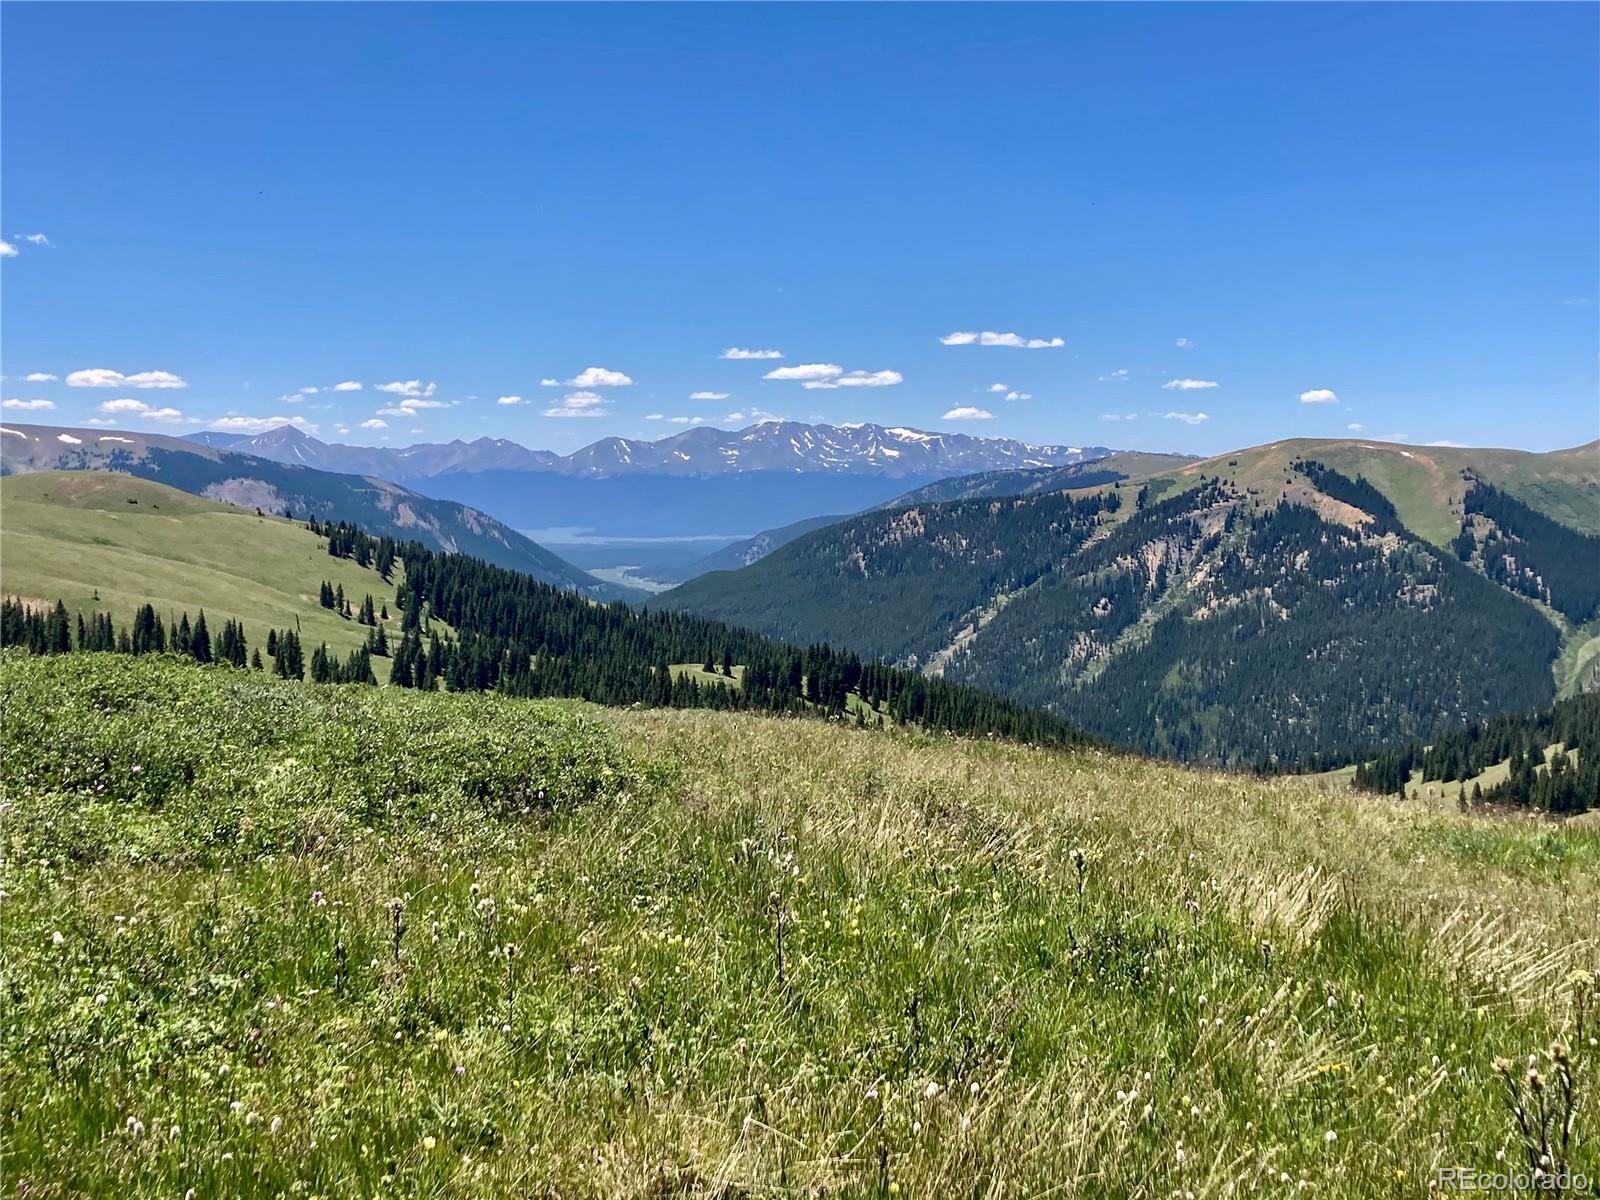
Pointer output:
x,y
1568,783
55,632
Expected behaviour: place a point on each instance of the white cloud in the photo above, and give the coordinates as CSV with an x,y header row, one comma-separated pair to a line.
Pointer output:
x,y
1188,385
691,420
1318,396
968,413
1390,437
410,406
7,250
1187,418
989,338
105,377
593,377
708,395
858,379
100,421
31,405
655,417
578,404
138,408
1019,395
1355,427
549,383
999,388
754,414
1447,442
1120,375
236,423
349,385
734,352
39,377
374,423
812,371
413,388
1184,344
509,400
38,239
1119,416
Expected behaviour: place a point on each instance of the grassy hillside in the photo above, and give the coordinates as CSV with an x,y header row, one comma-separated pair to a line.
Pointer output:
x,y
108,543
1425,483
266,938
376,505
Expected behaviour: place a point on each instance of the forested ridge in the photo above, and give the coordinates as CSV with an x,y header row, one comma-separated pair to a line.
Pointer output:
x,y
1246,625
1524,550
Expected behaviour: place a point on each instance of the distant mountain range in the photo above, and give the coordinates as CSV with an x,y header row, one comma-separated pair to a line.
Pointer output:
x,y
227,474
703,481
856,449
1300,597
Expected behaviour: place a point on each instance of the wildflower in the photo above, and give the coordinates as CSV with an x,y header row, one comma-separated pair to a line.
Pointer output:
x,y
872,1093
429,1142
100,999
135,1127
251,1117
1330,1137
460,1069
276,1127
932,1090
318,900
56,939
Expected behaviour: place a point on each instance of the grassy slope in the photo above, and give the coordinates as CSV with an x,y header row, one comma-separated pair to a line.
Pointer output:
x,y
1424,482
643,1041
375,505
74,535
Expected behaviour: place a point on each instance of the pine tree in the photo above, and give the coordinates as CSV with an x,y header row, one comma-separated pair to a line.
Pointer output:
x,y
200,640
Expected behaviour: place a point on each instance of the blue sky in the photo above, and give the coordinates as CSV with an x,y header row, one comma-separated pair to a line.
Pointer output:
x,y
1393,206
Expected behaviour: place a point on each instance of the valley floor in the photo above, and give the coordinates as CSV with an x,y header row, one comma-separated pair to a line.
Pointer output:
x,y
266,938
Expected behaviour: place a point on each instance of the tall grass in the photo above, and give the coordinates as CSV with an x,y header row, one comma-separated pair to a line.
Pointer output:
x,y
335,942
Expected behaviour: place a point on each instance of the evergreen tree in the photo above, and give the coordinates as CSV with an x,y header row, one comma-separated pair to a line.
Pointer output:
x,y
200,640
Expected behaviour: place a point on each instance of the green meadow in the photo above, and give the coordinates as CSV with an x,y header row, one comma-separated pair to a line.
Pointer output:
x,y
279,939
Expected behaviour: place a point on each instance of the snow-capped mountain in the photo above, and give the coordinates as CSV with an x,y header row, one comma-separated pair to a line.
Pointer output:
x,y
855,449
